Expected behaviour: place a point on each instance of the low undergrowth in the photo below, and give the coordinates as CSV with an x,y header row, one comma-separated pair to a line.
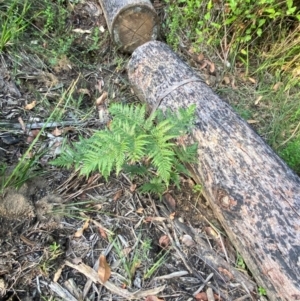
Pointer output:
x,y
255,40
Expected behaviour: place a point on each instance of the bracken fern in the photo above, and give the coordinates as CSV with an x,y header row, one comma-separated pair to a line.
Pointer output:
x,y
138,145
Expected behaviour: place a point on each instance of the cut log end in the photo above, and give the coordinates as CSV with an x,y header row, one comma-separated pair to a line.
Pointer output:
x,y
134,26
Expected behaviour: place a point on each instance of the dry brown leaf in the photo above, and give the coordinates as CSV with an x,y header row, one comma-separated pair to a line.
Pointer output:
x,y
170,201
84,91
79,232
132,187
187,240
204,65
32,135
200,57
153,298
117,195
277,86
201,297
102,98
30,106
226,80
62,64
259,98
104,271
57,274
252,80
225,272
211,232
29,139
99,85
172,216
164,241
126,251
98,206
217,297
140,210
57,132
102,233
212,67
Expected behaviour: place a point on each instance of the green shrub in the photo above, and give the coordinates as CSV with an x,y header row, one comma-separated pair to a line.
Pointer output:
x,y
235,25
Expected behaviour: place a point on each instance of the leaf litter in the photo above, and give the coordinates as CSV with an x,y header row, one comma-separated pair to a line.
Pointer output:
x,y
68,237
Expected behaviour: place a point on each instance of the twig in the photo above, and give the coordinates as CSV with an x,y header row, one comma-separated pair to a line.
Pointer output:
x,y
172,275
39,125
93,275
203,284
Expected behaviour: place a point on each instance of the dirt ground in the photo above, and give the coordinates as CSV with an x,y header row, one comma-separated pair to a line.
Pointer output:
x,y
60,232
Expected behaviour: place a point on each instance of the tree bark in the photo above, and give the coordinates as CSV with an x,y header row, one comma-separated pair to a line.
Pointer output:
x,y
131,23
251,190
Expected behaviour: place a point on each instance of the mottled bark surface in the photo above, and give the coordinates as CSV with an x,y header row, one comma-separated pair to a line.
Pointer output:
x,y
251,190
131,23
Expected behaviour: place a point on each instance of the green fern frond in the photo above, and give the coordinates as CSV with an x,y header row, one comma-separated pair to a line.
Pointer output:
x,y
175,178
155,186
182,121
134,115
150,121
136,169
137,148
162,159
187,154
136,144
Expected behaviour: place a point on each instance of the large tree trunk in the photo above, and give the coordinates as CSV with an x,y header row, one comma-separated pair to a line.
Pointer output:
x,y
251,190
131,23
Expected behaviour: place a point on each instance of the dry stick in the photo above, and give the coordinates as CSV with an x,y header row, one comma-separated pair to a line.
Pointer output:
x,y
172,240
93,275
191,271
210,294
203,284
212,259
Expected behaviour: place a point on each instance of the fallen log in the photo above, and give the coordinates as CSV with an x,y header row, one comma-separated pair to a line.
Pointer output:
x,y
251,190
131,23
